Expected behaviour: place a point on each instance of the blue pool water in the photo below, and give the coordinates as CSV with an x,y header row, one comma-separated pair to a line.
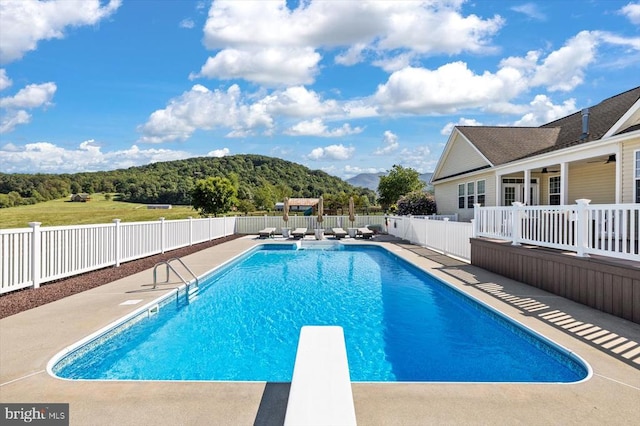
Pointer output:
x,y
400,324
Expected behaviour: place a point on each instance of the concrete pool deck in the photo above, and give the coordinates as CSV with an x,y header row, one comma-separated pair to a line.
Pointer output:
x,y
610,345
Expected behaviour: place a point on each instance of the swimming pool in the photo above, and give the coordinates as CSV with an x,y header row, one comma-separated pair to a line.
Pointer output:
x,y
400,324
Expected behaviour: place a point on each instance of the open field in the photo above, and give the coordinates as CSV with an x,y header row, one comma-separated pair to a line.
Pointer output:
x,y
98,210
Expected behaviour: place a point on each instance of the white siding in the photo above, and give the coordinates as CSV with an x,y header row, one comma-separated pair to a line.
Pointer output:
x,y
628,168
593,181
462,157
447,195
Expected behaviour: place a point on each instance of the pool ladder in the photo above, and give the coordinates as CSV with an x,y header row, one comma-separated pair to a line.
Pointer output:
x,y
168,267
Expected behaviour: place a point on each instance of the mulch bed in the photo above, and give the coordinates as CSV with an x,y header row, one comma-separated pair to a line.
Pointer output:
x,y
22,300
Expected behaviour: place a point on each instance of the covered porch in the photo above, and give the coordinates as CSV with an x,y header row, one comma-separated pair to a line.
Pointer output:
x,y
593,174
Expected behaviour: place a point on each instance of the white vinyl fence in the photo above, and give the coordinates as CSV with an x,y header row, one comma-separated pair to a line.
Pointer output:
x,y
253,224
435,232
603,229
36,255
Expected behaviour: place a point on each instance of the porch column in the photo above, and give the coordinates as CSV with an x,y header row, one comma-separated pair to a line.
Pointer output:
x,y
527,187
618,178
564,183
498,201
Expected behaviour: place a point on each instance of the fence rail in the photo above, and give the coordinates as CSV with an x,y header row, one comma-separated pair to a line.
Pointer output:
x,y
36,255
438,233
604,229
253,224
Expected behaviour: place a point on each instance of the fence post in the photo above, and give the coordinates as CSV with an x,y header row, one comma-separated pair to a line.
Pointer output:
x,y
162,236
475,222
116,249
582,227
210,222
516,222
35,253
190,230
446,239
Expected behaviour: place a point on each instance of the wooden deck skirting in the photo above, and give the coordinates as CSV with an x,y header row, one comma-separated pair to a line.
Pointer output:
x,y
609,286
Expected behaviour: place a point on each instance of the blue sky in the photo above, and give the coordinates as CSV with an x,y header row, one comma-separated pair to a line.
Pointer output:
x,y
342,86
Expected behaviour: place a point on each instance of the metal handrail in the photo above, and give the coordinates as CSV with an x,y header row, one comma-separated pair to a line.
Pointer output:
x,y
167,263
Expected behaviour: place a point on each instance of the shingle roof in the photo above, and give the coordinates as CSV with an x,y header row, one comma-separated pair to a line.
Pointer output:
x,y
501,145
602,117
303,201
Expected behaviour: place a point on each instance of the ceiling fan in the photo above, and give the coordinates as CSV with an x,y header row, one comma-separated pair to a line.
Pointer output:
x,y
611,159
545,170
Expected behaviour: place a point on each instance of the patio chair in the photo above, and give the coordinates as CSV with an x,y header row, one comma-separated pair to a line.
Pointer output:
x,y
267,233
299,232
339,233
365,233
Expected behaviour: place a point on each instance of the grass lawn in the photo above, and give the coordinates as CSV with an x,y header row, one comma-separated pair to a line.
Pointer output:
x,y
98,210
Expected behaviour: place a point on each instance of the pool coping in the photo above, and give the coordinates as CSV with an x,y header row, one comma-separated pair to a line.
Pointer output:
x,y
30,339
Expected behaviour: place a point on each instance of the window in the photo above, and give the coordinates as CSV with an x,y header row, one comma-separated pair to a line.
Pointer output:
x,y
554,190
637,177
470,194
461,196
480,189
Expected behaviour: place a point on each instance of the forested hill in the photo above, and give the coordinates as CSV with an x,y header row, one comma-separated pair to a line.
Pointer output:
x,y
259,179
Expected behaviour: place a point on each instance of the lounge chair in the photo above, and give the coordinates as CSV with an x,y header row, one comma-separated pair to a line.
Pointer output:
x,y
267,233
365,233
339,233
299,232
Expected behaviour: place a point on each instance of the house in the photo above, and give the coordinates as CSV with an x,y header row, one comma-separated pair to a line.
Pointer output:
x,y
592,154
80,198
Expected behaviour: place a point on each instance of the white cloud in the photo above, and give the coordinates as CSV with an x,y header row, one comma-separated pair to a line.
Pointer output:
x,y
632,12
88,156
32,96
542,110
268,66
298,101
352,56
331,152
563,69
219,153
12,119
390,144
448,128
14,107
26,22
531,10
610,38
418,158
447,89
351,171
201,108
244,35
316,127
5,81
187,23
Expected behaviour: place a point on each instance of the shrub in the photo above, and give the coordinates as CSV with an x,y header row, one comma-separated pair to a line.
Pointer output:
x,y
417,203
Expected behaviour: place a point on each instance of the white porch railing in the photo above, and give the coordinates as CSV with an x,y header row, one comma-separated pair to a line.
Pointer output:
x,y
36,255
438,233
603,229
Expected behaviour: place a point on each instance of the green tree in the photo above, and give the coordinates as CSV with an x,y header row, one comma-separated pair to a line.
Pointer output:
x,y
400,181
214,195
264,197
245,206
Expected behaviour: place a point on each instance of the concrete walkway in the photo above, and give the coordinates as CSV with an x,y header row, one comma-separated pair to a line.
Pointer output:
x,y
611,396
